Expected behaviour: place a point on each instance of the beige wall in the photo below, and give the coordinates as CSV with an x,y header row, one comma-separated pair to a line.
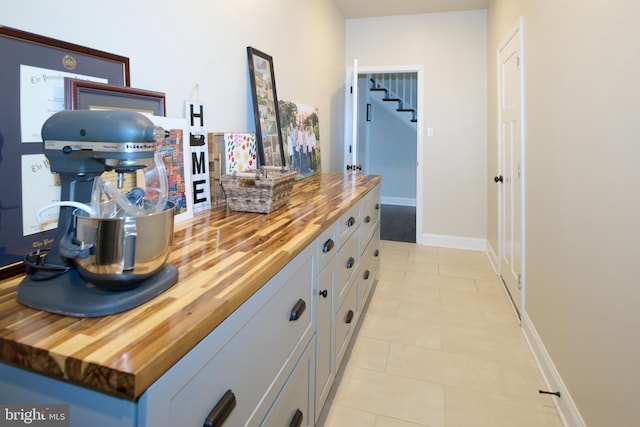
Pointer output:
x,y
582,104
174,45
452,49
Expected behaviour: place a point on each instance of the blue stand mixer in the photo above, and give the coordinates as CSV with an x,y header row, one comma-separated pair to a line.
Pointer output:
x,y
99,263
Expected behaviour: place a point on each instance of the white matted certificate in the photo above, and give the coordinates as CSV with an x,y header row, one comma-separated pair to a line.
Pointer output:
x,y
42,95
39,188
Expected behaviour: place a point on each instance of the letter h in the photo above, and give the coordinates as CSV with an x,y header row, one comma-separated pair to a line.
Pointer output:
x,y
194,115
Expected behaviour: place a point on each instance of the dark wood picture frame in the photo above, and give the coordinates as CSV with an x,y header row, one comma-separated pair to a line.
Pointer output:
x,y
265,109
20,48
87,95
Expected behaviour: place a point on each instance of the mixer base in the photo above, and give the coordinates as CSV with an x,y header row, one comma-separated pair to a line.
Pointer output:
x,y
70,295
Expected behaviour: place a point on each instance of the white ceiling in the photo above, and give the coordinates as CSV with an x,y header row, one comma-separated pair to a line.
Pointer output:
x,y
371,8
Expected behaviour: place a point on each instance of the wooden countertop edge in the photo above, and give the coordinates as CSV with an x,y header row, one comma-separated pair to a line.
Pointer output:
x,y
130,382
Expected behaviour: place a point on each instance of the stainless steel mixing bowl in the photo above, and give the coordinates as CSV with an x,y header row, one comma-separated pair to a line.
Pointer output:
x,y
121,253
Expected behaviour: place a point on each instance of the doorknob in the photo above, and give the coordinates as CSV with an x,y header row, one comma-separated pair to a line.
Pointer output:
x,y
498,178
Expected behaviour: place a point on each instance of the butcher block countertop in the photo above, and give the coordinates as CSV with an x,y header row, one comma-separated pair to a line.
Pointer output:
x,y
223,257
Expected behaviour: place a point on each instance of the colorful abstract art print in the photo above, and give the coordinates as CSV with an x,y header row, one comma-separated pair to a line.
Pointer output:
x,y
174,150
241,152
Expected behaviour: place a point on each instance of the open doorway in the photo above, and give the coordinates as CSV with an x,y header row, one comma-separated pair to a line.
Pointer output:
x,y
389,117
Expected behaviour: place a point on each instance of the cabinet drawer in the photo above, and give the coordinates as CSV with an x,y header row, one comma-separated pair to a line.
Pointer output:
x,y
327,246
345,320
370,213
368,267
249,362
294,405
348,223
347,264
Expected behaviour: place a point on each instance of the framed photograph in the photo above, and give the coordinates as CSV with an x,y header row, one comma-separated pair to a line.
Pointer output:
x,y
88,95
301,130
265,109
33,69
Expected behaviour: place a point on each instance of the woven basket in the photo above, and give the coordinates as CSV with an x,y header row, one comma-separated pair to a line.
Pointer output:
x,y
260,191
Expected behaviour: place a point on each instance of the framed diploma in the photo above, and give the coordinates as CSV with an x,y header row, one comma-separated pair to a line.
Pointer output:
x,y
34,68
88,95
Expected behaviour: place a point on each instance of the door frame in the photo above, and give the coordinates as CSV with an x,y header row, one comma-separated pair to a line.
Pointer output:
x,y
350,133
517,29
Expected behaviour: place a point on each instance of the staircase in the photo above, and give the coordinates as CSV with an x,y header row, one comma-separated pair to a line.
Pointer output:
x,y
397,92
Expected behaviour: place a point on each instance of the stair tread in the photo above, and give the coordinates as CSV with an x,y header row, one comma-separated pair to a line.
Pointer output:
x,y
406,109
392,99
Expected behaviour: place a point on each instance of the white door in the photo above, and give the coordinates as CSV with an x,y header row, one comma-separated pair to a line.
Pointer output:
x,y
510,178
351,124
351,150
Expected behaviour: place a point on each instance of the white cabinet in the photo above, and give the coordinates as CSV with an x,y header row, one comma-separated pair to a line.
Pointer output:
x,y
272,362
344,282
238,371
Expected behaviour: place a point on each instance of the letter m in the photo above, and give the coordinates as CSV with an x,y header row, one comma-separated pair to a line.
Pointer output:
x,y
197,162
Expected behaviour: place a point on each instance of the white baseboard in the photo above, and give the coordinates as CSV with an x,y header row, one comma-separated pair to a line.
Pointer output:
x,y
400,201
493,258
566,407
455,242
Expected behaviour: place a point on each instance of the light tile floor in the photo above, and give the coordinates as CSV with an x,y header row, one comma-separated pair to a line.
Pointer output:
x,y
439,346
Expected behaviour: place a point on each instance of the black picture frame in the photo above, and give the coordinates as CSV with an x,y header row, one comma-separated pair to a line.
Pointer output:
x,y
20,48
265,109
87,95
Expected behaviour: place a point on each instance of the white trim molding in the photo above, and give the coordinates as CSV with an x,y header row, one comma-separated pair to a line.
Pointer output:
x,y
455,242
493,258
398,201
567,409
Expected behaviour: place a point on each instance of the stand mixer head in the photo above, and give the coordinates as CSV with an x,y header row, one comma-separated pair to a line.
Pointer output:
x,y
81,145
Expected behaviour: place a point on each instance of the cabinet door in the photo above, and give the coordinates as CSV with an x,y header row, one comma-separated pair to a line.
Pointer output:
x,y
325,354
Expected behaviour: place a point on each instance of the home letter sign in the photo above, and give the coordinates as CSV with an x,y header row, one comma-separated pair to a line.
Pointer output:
x,y
199,157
